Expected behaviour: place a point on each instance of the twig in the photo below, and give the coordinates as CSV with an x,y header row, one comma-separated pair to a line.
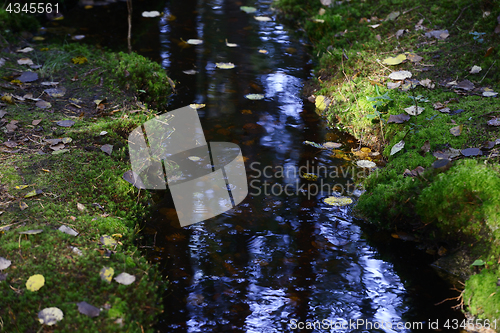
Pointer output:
x,y
487,71
460,14
129,8
409,10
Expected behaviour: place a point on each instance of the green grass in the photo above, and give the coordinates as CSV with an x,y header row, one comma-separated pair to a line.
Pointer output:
x,y
458,206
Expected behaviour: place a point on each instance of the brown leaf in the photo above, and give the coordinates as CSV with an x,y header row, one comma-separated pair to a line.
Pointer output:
x,y
43,104
426,147
36,122
398,118
456,131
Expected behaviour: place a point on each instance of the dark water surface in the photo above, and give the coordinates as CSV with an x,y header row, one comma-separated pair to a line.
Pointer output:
x,y
278,258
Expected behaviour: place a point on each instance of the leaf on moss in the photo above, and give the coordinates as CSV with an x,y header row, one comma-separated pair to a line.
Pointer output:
x,y
400,75
125,278
494,122
322,102
50,316
397,147
31,232
414,111
23,205
332,145
392,61
398,118
79,60
108,149
25,61
88,309
108,240
106,274
35,282
43,104
33,193
65,123
4,263
366,164
457,130
68,230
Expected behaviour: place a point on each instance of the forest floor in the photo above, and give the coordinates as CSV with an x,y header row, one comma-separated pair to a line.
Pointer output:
x,y
68,216
418,82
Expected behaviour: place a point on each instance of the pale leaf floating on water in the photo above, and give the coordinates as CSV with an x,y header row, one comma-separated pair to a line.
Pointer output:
x,y
262,18
231,44
254,96
125,278
194,158
50,316
190,72
197,106
414,111
400,75
194,41
248,9
224,65
332,145
153,13
366,164
77,37
392,61
4,263
263,51
338,201
397,147
35,282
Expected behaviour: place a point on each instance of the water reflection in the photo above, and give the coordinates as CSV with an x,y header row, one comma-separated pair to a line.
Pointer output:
x,y
276,257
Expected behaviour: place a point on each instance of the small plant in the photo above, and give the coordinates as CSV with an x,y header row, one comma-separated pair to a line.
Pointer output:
x,y
477,36
378,101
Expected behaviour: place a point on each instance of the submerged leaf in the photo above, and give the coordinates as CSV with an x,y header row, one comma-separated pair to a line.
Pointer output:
x,y
248,9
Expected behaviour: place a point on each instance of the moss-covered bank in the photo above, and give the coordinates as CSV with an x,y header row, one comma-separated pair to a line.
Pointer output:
x,y
454,209
55,176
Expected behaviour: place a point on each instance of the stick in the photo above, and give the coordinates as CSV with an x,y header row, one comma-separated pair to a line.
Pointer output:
x,y
460,14
129,8
487,71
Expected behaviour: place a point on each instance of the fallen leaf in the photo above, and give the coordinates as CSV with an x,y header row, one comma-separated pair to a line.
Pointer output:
x,y
397,147
194,158
77,37
366,164
254,96
50,316
68,230
108,149
190,72
471,152
106,274
332,145
25,61
338,201
131,177
414,57
262,18
33,193
25,50
125,278
80,207
475,69
76,250
224,65
2,113
67,140
248,9
194,41
88,310
392,16
414,111
490,50
153,13
427,83
197,106
4,263
28,77
393,85
10,144
43,104
35,282
31,232
56,92
374,26
65,123
465,85
23,205
490,94
394,60
398,118
494,122
79,60
263,51
438,34
36,122
457,130
400,75
20,187
231,44
108,240
442,164
57,147
322,102
426,147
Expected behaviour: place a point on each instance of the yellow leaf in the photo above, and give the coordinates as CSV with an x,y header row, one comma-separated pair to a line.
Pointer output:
x,y
224,65
394,60
338,201
310,176
23,205
107,273
322,102
7,98
108,240
20,187
35,282
197,106
32,193
79,60
38,38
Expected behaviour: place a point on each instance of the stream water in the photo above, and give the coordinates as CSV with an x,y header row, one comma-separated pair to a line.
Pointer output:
x,y
283,258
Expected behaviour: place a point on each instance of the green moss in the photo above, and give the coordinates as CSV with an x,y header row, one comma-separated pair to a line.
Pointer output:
x,y
482,296
14,23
